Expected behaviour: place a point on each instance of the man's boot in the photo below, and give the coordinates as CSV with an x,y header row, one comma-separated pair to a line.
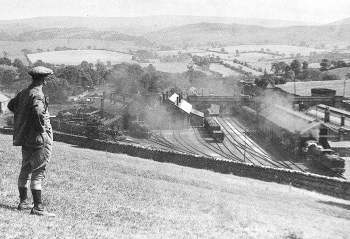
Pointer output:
x,y
38,208
23,199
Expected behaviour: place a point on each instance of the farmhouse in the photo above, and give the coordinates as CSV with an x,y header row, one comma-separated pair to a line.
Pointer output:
x,y
4,100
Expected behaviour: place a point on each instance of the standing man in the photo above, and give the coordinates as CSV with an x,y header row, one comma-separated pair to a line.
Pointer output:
x,y
32,131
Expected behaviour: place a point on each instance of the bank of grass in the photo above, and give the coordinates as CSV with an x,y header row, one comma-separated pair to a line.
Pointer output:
x,y
102,195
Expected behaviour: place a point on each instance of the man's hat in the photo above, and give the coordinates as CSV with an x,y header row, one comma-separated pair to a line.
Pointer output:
x,y
40,71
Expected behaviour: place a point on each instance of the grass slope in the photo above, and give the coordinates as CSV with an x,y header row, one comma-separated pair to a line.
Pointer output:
x,y
101,195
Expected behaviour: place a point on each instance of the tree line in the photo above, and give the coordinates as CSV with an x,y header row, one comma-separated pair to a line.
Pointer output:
x,y
74,79
283,72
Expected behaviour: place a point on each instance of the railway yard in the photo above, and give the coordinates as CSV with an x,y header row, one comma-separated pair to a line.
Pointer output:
x,y
238,145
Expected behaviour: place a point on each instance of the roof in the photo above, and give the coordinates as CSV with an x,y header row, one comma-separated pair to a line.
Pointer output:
x,y
334,110
183,104
3,98
173,97
288,119
198,113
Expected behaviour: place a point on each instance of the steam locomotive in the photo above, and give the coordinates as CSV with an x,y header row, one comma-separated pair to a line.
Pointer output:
x,y
214,129
325,158
293,142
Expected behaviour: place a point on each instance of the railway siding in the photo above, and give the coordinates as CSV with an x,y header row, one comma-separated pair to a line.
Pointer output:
x,y
326,185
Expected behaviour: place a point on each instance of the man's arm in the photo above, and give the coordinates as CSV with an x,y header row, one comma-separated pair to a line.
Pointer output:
x,y
12,105
38,110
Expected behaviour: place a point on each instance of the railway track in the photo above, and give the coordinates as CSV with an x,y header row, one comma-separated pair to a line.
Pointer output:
x,y
163,142
237,138
235,147
246,152
213,148
326,171
289,164
186,145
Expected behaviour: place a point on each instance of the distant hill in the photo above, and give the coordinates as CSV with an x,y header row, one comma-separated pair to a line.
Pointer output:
x,y
75,33
206,33
345,21
130,25
71,33
173,31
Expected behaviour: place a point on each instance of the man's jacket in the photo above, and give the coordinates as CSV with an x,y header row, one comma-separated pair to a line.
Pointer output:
x,y
32,126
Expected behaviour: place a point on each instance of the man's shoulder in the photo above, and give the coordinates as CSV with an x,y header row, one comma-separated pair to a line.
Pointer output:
x,y
36,92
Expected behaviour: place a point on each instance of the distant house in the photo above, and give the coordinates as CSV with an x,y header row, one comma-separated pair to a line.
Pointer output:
x,y
4,100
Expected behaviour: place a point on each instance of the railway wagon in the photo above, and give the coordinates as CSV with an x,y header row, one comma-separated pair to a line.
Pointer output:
x,y
214,129
292,134
210,123
218,135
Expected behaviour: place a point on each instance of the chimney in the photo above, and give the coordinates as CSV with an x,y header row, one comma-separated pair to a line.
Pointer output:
x,y
177,100
342,120
326,115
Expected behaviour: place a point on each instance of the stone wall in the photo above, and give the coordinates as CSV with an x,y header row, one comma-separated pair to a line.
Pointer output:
x,y
326,185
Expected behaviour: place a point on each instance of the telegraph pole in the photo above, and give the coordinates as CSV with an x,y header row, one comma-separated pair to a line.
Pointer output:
x,y
347,76
295,89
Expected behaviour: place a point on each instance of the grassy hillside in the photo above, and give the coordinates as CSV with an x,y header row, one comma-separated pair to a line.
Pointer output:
x,y
101,195
204,33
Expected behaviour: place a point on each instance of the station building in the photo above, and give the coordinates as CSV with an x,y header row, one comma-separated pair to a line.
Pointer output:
x,y
183,115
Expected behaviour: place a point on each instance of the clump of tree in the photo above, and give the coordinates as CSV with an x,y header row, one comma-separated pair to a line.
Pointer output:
x,y
300,71
327,64
57,89
8,75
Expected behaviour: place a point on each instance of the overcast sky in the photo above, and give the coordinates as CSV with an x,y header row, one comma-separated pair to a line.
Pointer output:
x,y
317,11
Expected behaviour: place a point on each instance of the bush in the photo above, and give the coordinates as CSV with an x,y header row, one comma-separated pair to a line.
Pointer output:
x,y
328,76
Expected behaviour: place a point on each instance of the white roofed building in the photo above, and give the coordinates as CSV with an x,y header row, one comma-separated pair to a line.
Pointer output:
x,y
183,114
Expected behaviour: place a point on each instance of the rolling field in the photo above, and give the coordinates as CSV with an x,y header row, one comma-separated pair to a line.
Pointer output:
x,y
172,67
223,70
75,57
304,88
304,51
102,195
257,59
13,48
